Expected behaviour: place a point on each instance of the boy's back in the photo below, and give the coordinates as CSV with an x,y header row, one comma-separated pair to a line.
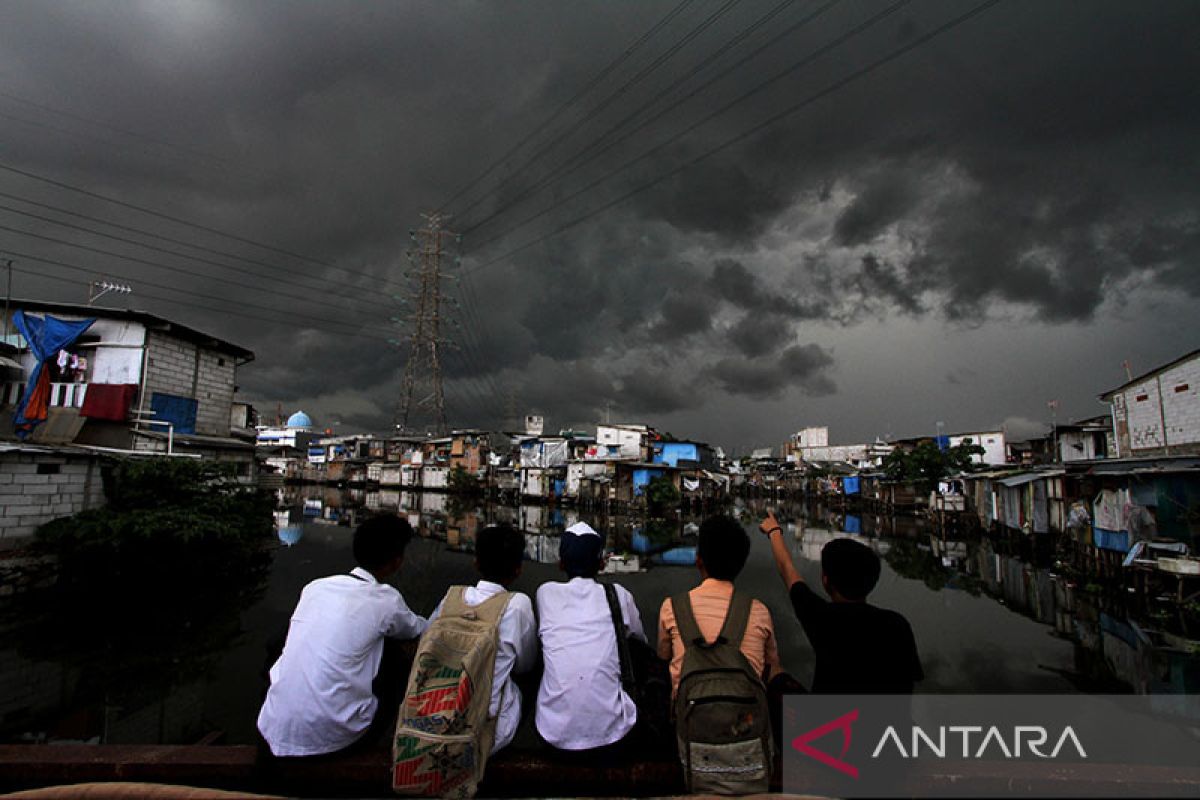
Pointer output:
x,y
320,698
581,704
859,647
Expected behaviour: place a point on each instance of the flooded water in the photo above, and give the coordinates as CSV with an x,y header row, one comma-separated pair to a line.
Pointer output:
x,y
191,661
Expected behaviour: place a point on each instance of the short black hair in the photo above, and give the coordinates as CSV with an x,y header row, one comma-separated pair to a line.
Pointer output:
x,y
851,567
379,540
723,547
499,550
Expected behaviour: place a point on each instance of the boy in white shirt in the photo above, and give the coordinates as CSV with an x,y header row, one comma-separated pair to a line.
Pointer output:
x,y
581,705
499,551
321,699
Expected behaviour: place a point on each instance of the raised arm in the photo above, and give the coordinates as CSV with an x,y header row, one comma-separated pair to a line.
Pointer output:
x,y
783,559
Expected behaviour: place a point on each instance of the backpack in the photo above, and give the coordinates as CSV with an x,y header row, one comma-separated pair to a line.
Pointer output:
x,y
722,722
444,733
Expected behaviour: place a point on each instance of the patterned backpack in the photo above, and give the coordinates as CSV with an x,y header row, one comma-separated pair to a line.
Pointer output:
x,y
443,732
722,722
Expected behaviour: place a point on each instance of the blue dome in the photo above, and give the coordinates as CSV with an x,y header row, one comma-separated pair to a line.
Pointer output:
x,y
299,420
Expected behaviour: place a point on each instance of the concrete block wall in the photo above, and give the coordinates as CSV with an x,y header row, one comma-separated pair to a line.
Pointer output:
x,y
181,368
1177,405
38,487
1181,404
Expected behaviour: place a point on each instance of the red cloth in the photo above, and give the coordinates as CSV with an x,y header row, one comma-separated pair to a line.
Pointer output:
x,y
110,401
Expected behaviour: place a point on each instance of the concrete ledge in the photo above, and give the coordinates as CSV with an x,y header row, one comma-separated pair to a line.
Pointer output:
x,y
527,773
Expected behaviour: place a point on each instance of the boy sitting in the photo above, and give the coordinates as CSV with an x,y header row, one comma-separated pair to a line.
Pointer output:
x,y
321,699
581,704
499,550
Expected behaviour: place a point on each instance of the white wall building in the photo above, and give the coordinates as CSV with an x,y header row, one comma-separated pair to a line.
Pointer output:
x,y
625,442
1158,413
995,448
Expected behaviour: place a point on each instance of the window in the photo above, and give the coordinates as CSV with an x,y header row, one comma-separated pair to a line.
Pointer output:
x,y
48,469
1183,387
1142,398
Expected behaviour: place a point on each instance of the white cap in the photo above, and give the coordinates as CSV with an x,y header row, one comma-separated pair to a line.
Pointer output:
x,y
582,529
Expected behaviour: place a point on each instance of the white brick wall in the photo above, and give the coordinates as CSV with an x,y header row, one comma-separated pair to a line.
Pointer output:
x,y
29,499
1144,413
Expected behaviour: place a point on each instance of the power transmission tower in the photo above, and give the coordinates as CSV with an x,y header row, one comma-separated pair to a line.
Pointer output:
x,y
421,392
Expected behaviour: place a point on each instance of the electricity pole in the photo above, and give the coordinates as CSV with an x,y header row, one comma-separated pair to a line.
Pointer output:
x,y
421,389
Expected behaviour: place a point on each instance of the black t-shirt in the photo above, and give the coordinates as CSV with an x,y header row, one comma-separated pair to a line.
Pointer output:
x,y
859,648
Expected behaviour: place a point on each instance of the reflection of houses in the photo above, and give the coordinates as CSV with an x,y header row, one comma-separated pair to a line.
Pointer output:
x,y
129,380
1158,413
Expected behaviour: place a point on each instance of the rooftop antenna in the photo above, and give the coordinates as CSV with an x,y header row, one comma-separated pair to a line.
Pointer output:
x,y
97,289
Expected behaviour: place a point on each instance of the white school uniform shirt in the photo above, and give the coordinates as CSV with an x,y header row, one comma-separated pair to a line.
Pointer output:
x,y
320,698
581,703
516,651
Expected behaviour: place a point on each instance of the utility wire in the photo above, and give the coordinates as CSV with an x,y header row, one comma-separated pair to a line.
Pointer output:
x,y
663,58
289,319
161,215
774,119
600,76
661,146
577,162
99,251
184,243
324,289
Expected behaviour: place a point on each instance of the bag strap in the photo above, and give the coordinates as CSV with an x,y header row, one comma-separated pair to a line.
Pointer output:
x,y
689,631
622,633
489,611
736,619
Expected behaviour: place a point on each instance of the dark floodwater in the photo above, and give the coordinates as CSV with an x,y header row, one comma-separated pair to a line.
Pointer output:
x,y
984,621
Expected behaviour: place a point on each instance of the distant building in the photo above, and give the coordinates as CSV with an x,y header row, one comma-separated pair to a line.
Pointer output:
x,y
995,448
130,381
1085,439
1158,413
812,445
297,433
623,442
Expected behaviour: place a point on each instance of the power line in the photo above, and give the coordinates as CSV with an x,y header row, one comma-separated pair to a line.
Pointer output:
x,y
577,162
178,254
158,265
181,242
613,96
778,117
600,76
159,214
123,131
290,320
805,61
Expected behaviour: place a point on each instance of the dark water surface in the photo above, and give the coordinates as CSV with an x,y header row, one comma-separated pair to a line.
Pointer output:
x,y
984,622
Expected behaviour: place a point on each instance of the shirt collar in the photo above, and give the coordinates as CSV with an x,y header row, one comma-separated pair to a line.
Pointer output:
x,y
362,573
716,586
489,589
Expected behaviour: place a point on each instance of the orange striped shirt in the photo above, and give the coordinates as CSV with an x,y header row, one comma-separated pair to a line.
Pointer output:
x,y
710,601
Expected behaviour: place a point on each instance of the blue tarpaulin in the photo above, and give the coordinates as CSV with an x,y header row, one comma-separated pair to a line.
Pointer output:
x,y
850,484
1111,540
46,336
852,524
181,411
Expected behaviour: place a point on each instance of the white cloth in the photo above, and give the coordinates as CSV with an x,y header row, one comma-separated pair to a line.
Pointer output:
x,y
320,698
516,651
581,703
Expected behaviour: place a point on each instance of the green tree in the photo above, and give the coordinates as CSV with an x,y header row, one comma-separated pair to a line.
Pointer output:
x,y
926,464
461,482
662,494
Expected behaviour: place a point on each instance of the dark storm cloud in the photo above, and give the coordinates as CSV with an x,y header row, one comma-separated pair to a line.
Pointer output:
x,y
1040,160
800,366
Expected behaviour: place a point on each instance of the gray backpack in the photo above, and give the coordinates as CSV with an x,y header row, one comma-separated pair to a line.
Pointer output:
x,y
722,723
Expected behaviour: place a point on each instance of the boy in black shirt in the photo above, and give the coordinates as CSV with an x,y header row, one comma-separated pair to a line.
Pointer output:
x,y
860,649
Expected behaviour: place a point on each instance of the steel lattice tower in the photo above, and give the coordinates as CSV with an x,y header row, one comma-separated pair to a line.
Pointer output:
x,y
421,390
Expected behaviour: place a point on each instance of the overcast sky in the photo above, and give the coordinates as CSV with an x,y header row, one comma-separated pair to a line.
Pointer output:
x,y
728,219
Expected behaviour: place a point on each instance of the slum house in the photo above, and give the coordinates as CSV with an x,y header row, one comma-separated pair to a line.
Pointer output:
x,y
122,379
699,478
1085,440
1158,413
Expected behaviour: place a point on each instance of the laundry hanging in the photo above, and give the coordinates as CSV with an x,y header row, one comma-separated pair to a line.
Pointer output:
x,y
46,337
